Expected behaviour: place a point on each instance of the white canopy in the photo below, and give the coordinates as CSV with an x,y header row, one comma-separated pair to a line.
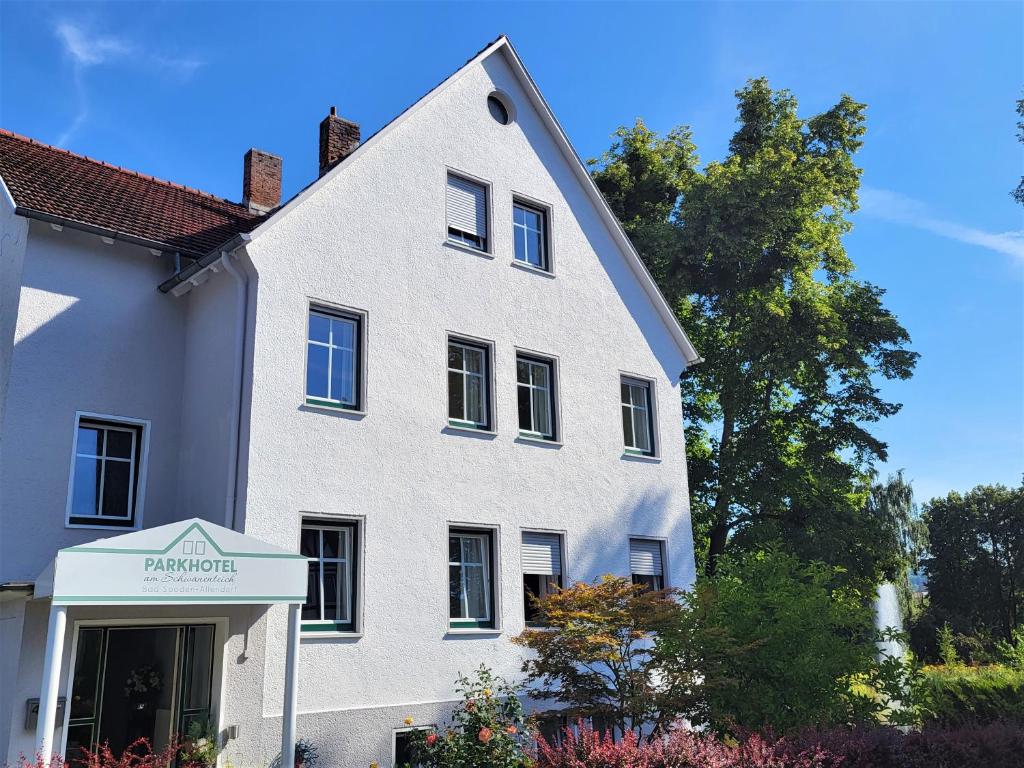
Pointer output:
x,y
188,562
191,561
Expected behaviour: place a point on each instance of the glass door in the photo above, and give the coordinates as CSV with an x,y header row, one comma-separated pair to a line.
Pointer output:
x,y
135,682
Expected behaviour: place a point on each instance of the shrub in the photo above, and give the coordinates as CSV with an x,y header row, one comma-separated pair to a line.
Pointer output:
x,y
595,656
56,761
138,754
782,647
488,730
996,745
958,695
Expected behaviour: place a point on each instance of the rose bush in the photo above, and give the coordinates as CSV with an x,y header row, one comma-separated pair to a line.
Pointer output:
x,y
487,730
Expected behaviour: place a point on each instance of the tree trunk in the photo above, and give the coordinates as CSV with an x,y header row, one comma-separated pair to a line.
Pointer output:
x,y
719,534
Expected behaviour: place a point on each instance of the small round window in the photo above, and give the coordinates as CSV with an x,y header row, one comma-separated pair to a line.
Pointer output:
x,y
498,109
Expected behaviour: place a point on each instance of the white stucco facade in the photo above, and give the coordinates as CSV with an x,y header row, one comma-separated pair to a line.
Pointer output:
x,y
90,333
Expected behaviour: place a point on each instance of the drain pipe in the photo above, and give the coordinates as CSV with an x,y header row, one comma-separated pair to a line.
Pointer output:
x,y
235,431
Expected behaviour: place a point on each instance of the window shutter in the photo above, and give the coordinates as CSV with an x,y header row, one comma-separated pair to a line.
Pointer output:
x,y
542,553
467,206
645,557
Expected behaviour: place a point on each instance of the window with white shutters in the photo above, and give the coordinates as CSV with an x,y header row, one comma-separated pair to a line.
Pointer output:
x,y
542,570
467,212
646,563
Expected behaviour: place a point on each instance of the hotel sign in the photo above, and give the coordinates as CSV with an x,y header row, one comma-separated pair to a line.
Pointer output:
x,y
192,561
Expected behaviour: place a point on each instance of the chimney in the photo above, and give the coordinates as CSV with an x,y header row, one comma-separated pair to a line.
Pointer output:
x,y
261,181
338,139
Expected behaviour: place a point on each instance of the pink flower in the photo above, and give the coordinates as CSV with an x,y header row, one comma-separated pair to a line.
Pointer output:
x,y
485,734
431,739
511,730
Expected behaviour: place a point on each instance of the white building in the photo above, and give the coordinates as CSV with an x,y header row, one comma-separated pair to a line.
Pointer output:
x,y
441,371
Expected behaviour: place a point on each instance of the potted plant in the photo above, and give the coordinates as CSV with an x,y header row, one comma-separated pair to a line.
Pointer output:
x,y
200,747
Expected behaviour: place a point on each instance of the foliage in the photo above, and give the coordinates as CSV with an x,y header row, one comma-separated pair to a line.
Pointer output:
x,y
201,744
997,745
138,754
975,569
55,761
891,505
1018,193
1013,652
782,645
595,656
749,251
306,753
488,730
957,695
947,648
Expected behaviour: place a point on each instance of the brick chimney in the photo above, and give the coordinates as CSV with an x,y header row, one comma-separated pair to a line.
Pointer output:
x,y
261,181
338,139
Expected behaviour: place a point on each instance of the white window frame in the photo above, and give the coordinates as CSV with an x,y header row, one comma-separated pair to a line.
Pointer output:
x,y
138,489
485,540
544,211
487,350
454,242
351,528
358,319
554,427
650,411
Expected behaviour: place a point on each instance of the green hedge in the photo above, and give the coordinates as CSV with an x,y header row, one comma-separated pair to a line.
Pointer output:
x,y
959,695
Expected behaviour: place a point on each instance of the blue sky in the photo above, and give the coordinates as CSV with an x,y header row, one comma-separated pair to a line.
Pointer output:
x,y
181,90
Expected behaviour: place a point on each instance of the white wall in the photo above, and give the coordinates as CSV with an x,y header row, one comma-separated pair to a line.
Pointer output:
x,y
92,334
373,238
207,389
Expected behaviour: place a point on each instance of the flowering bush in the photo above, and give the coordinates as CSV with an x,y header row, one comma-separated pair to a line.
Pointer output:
x,y
997,745
56,761
138,754
200,746
487,730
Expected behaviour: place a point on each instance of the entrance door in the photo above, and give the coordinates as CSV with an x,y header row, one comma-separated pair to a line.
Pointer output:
x,y
137,682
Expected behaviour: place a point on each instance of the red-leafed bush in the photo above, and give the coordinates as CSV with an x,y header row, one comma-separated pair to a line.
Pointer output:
x,y
997,745
138,754
38,762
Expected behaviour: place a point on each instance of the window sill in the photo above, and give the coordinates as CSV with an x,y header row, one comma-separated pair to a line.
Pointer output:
x,y
313,634
531,268
456,426
338,410
468,249
103,527
526,437
636,456
479,631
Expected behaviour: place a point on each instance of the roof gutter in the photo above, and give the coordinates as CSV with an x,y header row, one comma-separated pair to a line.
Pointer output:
x,y
204,262
31,213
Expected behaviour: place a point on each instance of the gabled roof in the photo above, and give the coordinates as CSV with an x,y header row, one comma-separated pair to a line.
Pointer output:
x,y
504,45
61,186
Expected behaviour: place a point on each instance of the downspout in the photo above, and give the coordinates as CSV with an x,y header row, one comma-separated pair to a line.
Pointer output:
x,y
235,432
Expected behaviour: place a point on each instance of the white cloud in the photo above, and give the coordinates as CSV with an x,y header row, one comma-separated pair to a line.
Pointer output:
x,y
892,206
87,49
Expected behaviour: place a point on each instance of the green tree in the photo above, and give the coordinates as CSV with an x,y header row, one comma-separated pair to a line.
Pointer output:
x,y
749,250
595,657
975,562
782,644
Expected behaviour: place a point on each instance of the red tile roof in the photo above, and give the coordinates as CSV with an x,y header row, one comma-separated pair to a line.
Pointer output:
x,y
59,183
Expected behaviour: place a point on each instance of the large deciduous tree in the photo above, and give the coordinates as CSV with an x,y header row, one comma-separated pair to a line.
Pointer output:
x,y
749,251
975,562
